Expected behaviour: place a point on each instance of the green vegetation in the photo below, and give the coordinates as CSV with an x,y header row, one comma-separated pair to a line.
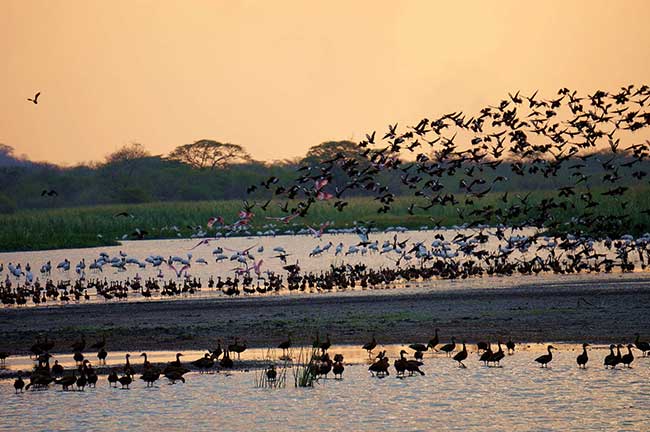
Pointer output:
x,y
98,225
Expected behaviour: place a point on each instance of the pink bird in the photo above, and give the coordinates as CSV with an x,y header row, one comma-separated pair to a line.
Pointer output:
x,y
244,214
321,183
203,242
324,196
284,219
243,252
257,267
318,233
215,219
179,273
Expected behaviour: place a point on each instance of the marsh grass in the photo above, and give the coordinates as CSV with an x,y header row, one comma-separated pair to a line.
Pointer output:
x,y
262,380
98,226
304,368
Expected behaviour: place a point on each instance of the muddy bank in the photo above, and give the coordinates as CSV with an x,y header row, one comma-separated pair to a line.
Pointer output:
x,y
575,311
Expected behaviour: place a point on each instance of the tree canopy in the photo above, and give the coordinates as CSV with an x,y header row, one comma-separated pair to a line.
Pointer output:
x,y
210,154
329,149
128,152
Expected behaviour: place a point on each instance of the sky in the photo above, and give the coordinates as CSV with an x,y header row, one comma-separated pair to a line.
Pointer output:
x,y
278,77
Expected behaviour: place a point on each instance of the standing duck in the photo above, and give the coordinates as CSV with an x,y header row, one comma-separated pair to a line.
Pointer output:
x,y
498,356
112,378
19,384
370,346
610,359
101,355
57,369
400,364
226,362
237,348
511,347
338,369
450,347
461,355
486,357
285,345
434,341
271,373
545,359
127,366
204,363
125,380
628,358
583,358
380,367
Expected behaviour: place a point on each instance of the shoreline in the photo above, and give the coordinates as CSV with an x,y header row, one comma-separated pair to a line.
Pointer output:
x,y
572,311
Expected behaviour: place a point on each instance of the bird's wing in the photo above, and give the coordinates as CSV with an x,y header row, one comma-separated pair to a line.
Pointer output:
x,y
36,96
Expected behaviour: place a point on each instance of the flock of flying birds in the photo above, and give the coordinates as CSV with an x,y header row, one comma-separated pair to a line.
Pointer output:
x,y
531,135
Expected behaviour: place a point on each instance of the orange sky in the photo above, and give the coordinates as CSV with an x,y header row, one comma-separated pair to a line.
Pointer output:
x,y
280,76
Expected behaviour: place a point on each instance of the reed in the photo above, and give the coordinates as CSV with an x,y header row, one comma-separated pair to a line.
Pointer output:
x,y
261,378
304,368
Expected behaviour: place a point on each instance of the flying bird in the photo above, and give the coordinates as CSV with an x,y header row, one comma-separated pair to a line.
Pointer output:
x,y
35,99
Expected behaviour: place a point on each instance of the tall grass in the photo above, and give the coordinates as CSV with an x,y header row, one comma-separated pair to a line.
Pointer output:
x,y
304,369
98,226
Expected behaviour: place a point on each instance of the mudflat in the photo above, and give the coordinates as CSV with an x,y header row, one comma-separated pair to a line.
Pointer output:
x,y
599,310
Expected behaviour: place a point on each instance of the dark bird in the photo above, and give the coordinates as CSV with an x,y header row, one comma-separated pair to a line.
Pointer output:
x,y
583,358
57,369
498,355
610,359
112,378
461,355
370,346
271,373
545,359
434,341
19,384
450,347
338,369
285,345
125,380
35,98
628,358
511,346
380,367
50,193
643,346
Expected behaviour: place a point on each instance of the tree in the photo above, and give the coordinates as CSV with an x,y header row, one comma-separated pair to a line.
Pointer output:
x,y
128,152
9,158
330,149
210,154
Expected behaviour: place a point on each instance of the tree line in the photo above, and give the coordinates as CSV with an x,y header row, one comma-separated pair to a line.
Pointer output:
x,y
203,170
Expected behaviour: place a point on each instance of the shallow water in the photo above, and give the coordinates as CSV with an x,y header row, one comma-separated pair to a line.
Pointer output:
x,y
517,396
299,246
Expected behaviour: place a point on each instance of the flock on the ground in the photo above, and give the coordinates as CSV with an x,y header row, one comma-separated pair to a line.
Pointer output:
x,y
319,364
458,255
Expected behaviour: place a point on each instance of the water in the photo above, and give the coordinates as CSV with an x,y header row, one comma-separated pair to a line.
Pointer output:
x,y
299,246
517,396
